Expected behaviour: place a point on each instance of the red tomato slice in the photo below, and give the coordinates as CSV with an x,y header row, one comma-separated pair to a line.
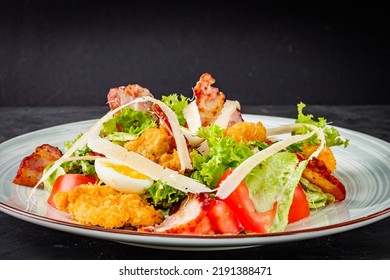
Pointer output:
x,y
67,182
204,226
241,204
300,206
223,218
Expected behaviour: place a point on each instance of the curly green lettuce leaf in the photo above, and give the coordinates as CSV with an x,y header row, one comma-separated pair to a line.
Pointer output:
x,y
68,144
321,122
79,166
275,180
224,153
163,196
332,135
127,121
177,103
259,146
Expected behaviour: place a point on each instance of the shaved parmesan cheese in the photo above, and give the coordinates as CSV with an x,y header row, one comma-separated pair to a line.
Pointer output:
x,y
204,149
229,108
192,139
146,166
291,127
288,128
191,114
234,179
62,160
181,145
321,137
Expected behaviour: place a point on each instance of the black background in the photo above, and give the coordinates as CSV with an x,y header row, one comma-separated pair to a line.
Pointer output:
x,y
55,53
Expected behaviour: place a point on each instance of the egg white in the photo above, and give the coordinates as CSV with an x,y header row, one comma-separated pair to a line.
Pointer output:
x,y
119,181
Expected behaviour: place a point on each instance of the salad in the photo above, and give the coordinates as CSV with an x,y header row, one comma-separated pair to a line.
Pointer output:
x,y
188,166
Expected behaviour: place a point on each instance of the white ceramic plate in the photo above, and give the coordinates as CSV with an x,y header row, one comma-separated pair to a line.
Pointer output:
x,y
363,167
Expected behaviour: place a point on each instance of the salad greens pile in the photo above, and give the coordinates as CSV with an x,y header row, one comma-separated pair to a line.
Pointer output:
x,y
126,125
81,166
224,153
163,196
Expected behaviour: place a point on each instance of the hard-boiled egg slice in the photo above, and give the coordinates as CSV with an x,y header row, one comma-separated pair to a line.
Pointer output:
x,y
121,177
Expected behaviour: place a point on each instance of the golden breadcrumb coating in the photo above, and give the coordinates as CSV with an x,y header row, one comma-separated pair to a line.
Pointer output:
x,y
246,132
152,143
157,145
170,161
326,155
61,201
103,206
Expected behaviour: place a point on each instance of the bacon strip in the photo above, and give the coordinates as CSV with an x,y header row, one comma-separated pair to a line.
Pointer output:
x,y
320,175
121,95
208,99
32,166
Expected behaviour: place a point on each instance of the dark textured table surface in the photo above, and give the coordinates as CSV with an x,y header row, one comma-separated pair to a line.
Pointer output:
x,y
23,240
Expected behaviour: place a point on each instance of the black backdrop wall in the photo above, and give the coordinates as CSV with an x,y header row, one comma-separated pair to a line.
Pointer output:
x,y
72,52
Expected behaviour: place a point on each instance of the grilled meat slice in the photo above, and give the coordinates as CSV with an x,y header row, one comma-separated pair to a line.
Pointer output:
x,y
31,167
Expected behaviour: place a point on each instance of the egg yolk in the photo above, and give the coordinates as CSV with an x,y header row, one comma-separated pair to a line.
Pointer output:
x,y
127,171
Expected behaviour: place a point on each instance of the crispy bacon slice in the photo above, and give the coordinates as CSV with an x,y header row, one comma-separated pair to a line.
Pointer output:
x,y
31,167
122,95
320,175
208,99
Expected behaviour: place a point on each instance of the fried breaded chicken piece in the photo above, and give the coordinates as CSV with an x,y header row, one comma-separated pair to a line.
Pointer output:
x,y
157,145
326,155
246,132
170,160
153,143
103,206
